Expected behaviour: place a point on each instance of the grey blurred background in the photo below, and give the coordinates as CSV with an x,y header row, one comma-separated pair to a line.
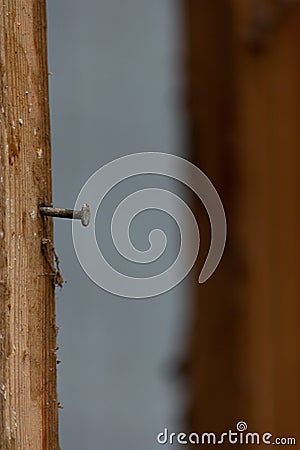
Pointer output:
x,y
115,90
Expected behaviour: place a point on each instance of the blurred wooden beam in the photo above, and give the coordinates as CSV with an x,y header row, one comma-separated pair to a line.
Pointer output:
x,y
243,72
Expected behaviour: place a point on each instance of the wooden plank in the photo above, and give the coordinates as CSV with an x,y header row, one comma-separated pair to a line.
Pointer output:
x,y
268,140
243,71
28,397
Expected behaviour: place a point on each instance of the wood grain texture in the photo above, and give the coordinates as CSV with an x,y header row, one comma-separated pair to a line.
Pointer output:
x,y
28,394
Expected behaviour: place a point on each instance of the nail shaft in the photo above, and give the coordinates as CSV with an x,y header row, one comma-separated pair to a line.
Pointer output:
x,y
83,214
